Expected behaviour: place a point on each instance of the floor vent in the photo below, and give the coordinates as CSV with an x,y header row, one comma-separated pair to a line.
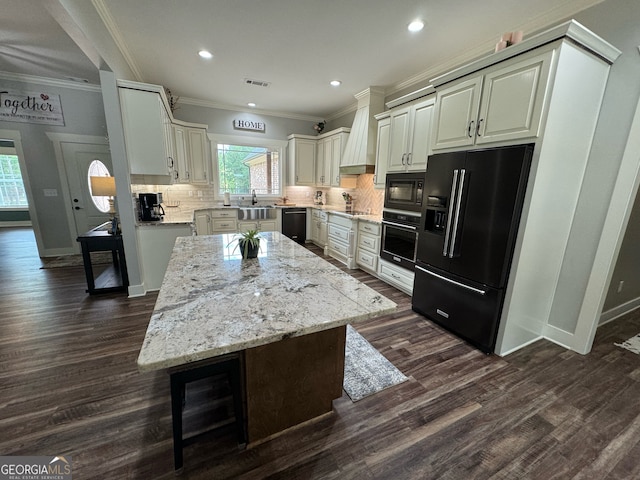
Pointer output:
x,y
257,83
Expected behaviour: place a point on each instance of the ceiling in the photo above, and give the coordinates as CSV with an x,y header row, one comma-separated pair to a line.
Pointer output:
x,y
297,46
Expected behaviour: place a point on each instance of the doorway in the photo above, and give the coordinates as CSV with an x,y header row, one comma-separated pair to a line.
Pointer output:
x,y
81,161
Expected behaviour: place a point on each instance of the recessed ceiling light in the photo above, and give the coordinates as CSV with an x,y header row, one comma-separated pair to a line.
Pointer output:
x,y
205,54
416,26
335,83
251,104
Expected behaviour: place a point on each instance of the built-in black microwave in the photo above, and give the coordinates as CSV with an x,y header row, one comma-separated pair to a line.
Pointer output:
x,y
403,191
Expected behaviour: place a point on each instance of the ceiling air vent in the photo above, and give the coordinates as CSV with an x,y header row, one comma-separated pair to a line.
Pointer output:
x,y
257,83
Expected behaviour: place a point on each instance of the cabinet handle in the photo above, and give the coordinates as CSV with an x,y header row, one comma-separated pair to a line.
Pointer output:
x,y
170,162
403,155
176,175
409,158
374,179
478,127
470,128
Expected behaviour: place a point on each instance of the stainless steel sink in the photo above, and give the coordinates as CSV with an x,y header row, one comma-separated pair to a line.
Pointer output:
x,y
257,213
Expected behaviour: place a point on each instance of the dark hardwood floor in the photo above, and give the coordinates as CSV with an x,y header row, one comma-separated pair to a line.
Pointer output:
x,y
69,386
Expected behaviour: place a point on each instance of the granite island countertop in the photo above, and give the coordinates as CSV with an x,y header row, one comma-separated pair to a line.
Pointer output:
x,y
212,302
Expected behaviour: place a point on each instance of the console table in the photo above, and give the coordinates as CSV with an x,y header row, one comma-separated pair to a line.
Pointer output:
x,y
114,278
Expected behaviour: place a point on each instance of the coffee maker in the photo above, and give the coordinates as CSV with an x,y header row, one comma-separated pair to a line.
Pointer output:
x,y
317,199
149,208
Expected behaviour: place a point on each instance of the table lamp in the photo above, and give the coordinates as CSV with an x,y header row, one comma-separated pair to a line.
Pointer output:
x,y
104,187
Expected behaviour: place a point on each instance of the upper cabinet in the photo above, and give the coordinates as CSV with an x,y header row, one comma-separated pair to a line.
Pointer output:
x,y
315,161
192,155
382,150
302,160
158,145
502,103
147,132
409,137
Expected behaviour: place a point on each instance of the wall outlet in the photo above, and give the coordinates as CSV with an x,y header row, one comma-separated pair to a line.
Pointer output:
x,y
306,194
199,193
191,193
620,285
50,192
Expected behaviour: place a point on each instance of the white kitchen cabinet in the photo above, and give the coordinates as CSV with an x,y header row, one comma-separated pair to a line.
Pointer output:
x,y
502,103
318,227
302,160
224,220
368,249
192,157
338,142
260,225
198,148
202,221
323,162
410,137
155,244
382,150
148,141
341,239
399,277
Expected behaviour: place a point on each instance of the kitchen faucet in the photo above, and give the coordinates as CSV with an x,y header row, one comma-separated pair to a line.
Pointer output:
x,y
254,199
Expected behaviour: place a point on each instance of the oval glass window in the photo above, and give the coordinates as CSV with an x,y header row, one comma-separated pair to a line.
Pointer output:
x,y
98,169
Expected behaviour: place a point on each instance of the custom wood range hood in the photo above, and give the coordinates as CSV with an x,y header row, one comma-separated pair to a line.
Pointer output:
x,y
359,154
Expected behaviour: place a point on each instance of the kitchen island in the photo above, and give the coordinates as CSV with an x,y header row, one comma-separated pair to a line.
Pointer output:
x,y
285,312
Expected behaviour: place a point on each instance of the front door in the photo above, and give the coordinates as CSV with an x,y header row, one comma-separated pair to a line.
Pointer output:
x,y
88,211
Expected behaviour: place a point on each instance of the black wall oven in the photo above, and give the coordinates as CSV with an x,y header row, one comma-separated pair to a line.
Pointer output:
x,y
400,238
403,191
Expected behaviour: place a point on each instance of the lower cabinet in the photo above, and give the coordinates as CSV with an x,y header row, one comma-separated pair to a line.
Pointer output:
x,y
341,239
318,228
221,220
155,244
260,225
399,277
368,250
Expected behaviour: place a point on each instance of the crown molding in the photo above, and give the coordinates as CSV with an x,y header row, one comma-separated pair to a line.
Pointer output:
x,y
114,31
532,26
50,82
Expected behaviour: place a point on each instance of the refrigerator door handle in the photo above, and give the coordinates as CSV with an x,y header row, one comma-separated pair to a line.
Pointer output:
x,y
456,221
447,232
458,284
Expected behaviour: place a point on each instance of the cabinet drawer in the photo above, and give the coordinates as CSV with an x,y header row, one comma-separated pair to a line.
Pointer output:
x,y
340,220
227,213
339,232
369,242
397,276
319,215
224,225
338,247
368,227
367,259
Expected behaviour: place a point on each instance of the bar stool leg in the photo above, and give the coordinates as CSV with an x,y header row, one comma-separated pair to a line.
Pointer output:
x,y
177,391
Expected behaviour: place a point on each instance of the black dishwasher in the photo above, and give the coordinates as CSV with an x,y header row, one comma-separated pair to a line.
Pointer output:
x,y
294,224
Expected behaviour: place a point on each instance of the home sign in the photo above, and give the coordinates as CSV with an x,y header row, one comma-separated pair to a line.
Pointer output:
x,y
249,125
30,107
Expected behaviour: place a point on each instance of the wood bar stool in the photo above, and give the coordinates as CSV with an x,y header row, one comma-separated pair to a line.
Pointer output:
x,y
230,365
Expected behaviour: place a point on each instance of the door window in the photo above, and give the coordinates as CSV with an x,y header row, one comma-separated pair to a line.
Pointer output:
x,y
98,169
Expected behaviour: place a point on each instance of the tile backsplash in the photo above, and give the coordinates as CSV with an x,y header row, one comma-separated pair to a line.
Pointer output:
x,y
184,198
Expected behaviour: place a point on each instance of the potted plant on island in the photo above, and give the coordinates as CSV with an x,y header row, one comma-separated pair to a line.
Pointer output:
x,y
249,243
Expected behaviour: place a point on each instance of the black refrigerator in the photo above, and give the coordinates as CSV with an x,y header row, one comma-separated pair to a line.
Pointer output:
x,y
471,208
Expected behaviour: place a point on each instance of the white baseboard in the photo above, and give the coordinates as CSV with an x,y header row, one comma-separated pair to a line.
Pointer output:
x,y
617,312
136,291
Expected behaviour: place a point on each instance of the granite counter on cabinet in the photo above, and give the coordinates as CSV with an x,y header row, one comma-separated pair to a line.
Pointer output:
x,y
211,302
